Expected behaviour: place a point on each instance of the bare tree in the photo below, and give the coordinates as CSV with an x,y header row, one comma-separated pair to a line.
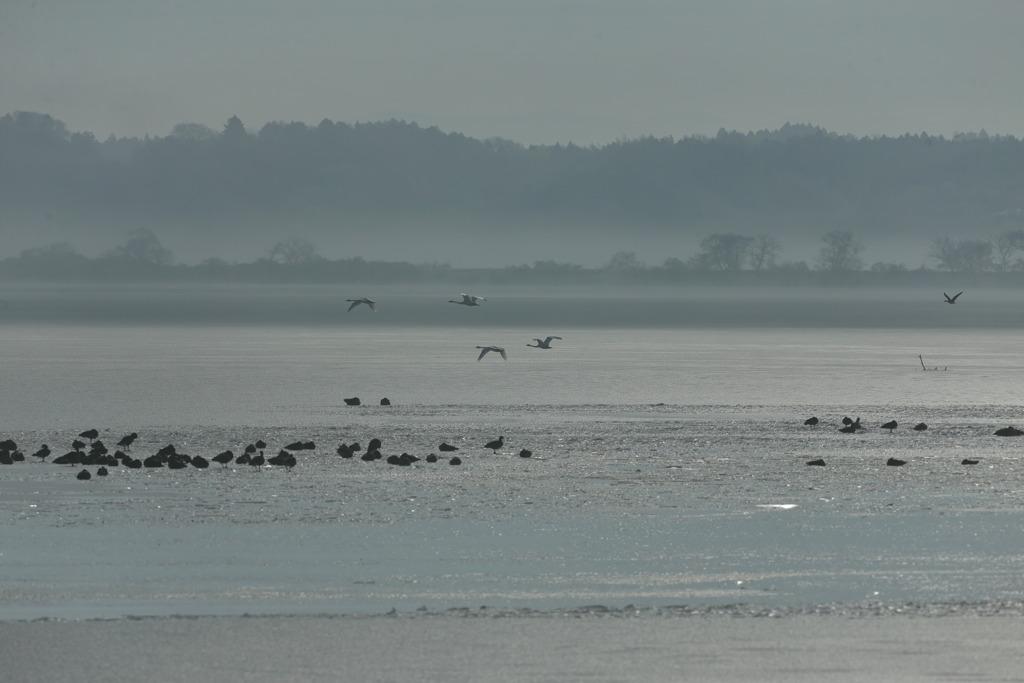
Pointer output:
x,y
962,256
724,252
841,252
764,252
624,260
142,247
294,251
1006,245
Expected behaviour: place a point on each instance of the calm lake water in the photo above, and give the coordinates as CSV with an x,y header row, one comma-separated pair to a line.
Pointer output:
x,y
666,428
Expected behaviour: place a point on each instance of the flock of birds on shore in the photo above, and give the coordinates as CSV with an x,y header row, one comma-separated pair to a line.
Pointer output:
x,y
95,453
851,426
467,300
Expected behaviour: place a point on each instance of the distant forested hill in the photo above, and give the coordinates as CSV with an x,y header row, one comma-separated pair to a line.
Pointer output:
x,y
798,181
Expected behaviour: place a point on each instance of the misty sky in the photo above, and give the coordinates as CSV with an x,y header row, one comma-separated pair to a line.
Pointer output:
x,y
535,71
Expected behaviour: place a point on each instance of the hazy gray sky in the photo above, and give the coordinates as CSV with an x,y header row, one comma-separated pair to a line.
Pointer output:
x,y
535,71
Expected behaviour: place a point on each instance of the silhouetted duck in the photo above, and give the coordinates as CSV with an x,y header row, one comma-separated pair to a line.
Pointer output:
x,y
890,425
385,402
374,444
224,458
126,441
431,458
89,434
260,444
18,456
5,458
8,445
200,462
811,422
243,459
968,461
495,445
69,458
153,461
344,451
847,421
820,462
920,427
447,447
83,475
525,453
851,428
258,461
354,401
456,460
167,450
1008,431
102,472
43,453
895,462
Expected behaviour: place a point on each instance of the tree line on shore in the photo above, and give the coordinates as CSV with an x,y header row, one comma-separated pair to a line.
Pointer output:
x,y
723,259
335,177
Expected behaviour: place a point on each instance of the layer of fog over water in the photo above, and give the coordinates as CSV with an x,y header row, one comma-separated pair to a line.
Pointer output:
x,y
666,428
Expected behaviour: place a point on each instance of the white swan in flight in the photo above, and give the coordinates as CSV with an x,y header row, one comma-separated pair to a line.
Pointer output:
x,y
369,302
467,300
496,349
543,343
951,300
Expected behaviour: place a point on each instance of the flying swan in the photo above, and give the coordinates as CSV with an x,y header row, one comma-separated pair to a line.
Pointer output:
x,y
369,302
467,300
496,349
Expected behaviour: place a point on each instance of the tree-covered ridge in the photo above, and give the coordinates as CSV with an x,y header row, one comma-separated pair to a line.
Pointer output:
x,y
797,178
